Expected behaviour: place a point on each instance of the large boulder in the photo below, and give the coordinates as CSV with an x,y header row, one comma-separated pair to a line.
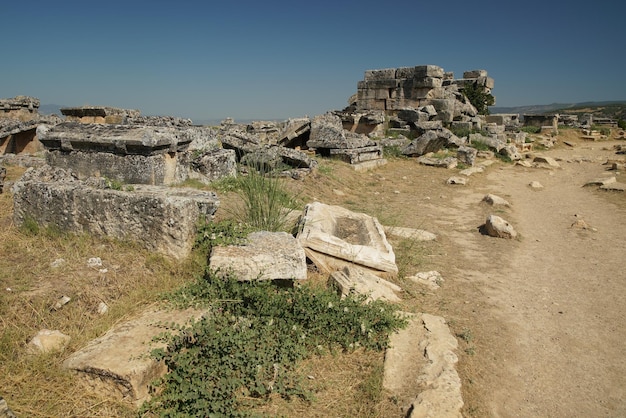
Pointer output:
x,y
497,227
327,133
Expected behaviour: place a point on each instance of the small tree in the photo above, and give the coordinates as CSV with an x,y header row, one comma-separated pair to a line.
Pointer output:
x,y
478,97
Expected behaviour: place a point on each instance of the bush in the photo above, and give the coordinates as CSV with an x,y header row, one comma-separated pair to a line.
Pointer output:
x,y
478,97
621,123
531,129
248,347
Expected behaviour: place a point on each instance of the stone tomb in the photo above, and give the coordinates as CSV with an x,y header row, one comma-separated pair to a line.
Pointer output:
x,y
161,219
127,153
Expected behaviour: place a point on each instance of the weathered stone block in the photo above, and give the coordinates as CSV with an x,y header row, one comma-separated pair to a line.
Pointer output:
x,y
266,256
358,155
216,164
422,71
384,74
429,82
475,74
161,219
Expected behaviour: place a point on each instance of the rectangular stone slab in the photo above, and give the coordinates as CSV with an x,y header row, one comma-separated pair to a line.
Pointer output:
x,y
119,362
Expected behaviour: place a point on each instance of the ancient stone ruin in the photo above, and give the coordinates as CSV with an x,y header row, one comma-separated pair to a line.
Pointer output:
x,y
19,118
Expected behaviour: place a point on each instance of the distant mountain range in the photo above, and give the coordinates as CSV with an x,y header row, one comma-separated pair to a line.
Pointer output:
x,y
614,109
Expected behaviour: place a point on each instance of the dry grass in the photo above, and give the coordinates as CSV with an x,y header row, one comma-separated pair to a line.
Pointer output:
x,y
38,386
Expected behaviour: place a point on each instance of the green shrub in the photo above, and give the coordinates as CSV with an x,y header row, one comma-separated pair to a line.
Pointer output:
x,y
249,346
531,129
621,123
478,97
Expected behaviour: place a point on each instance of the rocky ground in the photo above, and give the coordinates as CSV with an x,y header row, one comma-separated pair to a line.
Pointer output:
x,y
539,318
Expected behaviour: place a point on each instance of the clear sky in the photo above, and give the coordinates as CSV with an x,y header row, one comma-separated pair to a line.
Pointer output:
x,y
277,59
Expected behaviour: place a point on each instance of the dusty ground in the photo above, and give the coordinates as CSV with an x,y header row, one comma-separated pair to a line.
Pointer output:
x,y
540,319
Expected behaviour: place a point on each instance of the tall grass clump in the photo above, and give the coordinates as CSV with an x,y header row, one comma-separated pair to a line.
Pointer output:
x,y
266,203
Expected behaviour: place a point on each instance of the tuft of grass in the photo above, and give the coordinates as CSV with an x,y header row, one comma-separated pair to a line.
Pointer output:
x,y
266,202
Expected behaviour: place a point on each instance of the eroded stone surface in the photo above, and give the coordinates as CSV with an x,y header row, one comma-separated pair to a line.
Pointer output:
x,y
162,219
353,279
420,368
410,233
48,340
497,227
119,362
265,256
345,235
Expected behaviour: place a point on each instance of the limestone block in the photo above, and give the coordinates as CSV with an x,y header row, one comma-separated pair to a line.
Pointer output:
x,y
345,235
384,74
430,141
159,169
358,155
265,256
422,71
216,164
429,82
327,132
475,74
384,84
352,279
161,219
467,155
544,161
413,115
5,411
119,363
429,125
448,162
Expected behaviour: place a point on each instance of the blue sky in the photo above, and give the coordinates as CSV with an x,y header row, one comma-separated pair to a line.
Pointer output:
x,y
277,59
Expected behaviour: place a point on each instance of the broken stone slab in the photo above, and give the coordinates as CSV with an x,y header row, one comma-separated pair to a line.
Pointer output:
x,y
448,162
602,181
98,114
265,256
420,368
353,279
348,236
472,170
119,363
430,141
492,142
543,161
467,155
159,218
294,129
369,165
535,185
358,155
117,139
410,233
214,165
494,200
497,227
430,279
47,341
510,151
614,187
327,132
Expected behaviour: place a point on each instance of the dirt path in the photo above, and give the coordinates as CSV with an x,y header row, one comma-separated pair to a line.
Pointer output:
x,y
544,316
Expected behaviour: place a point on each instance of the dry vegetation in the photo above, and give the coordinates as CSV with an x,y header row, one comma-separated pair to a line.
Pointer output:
x,y
37,386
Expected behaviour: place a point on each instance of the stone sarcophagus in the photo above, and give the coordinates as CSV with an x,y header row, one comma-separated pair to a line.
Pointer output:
x,y
135,154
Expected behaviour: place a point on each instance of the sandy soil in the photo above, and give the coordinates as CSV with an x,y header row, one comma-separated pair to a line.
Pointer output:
x,y
539,319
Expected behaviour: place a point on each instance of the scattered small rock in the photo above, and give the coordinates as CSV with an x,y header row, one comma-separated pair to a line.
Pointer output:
x,y
5,411
48,340
581,224
494,200
57,263
63,300
536,185
431,279
103,308
457,180
497,227
94,262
